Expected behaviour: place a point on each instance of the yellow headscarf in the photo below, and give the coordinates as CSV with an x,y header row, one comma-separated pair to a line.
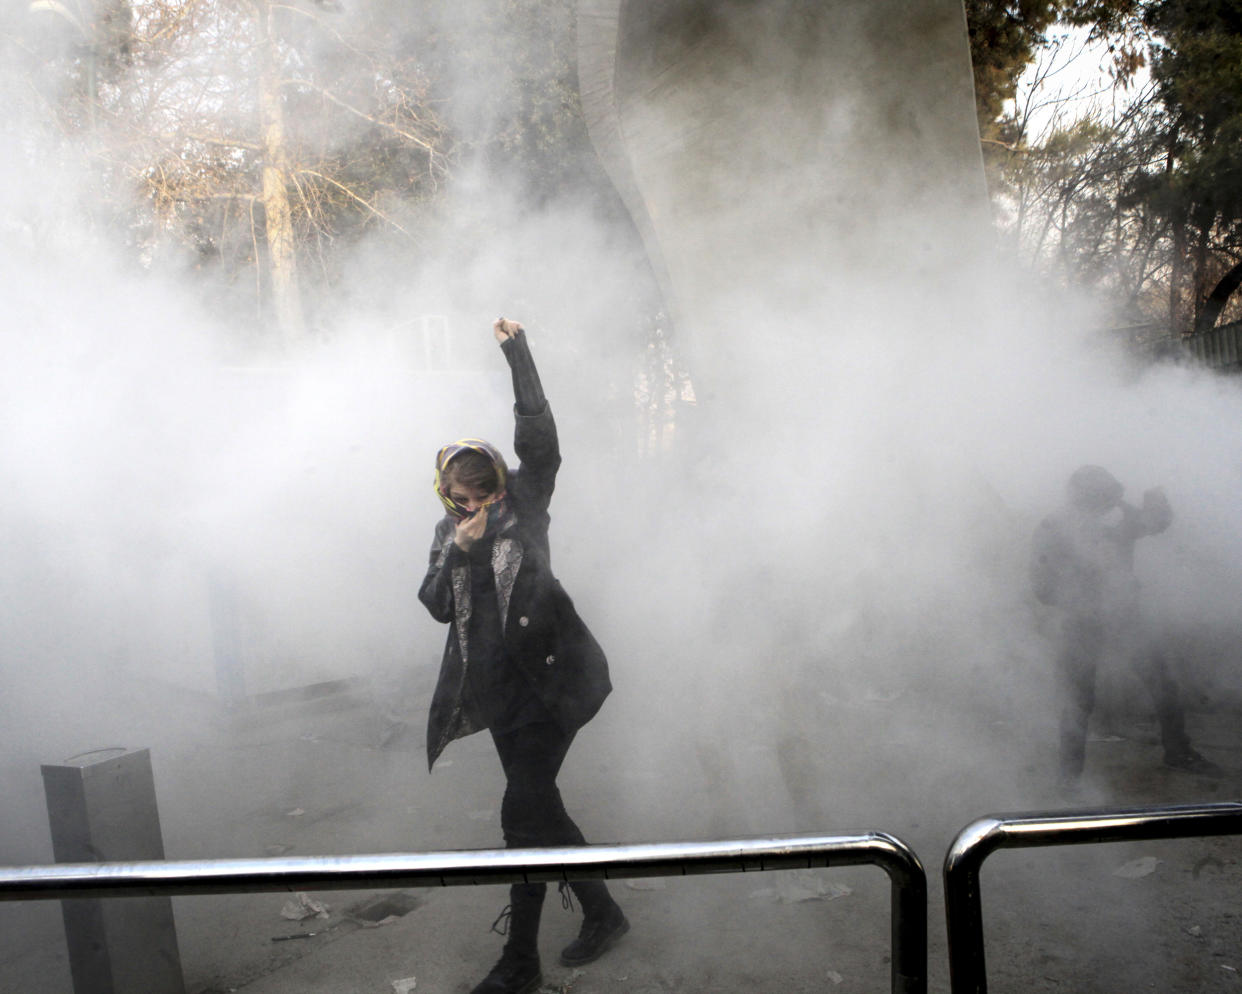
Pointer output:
x,y
445,456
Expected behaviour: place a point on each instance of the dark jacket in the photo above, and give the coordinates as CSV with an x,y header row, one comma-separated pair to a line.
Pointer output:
x,y
1083,563
543,635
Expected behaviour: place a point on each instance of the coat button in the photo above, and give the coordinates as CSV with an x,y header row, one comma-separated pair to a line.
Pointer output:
x,y
523,621
550,660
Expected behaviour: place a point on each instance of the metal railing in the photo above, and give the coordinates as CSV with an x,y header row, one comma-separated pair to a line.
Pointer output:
x,y
979,839
1218,347
491,866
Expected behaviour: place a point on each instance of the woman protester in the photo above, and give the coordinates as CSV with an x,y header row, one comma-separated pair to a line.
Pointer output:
x,y
518,659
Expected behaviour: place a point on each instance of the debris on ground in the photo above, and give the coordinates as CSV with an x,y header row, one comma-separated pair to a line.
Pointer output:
x,y
365,923
302,907
565,986
1205,862
1141,867
404,986
835,977
383,910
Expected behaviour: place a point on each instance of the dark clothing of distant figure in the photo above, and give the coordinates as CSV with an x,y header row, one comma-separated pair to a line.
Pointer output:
x,y
1083,566
518,660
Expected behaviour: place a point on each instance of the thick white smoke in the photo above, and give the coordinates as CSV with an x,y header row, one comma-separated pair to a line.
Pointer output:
x,y
816,608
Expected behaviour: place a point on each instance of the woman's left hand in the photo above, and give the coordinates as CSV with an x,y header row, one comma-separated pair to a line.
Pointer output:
x,y
504,329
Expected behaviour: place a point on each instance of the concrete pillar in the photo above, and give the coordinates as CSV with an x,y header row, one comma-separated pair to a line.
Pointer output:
x,y
101,808
793,163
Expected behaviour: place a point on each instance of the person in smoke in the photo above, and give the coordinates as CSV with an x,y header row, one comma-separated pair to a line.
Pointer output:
x,y
518,660
1082,565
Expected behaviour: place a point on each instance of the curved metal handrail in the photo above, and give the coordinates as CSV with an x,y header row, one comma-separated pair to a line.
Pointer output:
x,y
982,837
490,866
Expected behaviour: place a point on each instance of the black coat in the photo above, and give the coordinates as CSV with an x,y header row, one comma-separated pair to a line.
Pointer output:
x,y
1083,563
543,634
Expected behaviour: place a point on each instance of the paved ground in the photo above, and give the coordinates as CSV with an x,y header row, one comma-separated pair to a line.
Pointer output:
x,y
1118,917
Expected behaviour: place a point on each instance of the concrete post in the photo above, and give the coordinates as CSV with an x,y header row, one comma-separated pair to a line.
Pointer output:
x,y
101,808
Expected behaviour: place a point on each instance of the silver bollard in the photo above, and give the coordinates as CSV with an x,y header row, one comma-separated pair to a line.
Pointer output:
x,y
101,808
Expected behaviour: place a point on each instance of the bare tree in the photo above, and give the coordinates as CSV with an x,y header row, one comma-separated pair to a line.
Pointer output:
x,y
1069,190
255,135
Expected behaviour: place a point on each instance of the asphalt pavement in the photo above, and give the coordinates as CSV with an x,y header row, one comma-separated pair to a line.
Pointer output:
x,y
348,776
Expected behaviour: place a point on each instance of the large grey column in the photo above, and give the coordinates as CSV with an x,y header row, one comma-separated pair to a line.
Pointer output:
x,y
800,159
101,808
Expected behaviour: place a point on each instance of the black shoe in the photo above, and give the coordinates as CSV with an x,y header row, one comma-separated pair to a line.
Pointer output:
x,y
598,935
512,975
1191,762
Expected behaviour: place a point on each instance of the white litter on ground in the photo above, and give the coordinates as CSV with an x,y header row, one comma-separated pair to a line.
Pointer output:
x,y
1141,867
302,907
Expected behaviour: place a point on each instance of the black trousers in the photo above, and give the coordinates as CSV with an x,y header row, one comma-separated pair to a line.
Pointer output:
x,y
1083,641
532,814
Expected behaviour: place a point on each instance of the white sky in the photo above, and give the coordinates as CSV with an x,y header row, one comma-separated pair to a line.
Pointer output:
x,y
1068,80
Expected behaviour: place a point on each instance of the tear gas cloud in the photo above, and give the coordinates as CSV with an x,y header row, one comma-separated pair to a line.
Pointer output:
x,y
842,523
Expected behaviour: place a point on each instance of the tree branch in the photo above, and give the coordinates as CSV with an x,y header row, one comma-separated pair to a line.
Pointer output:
x,y
358,199
328,95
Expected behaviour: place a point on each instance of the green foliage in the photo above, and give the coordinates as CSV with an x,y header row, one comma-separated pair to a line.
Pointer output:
x,y
1197,68
1197,65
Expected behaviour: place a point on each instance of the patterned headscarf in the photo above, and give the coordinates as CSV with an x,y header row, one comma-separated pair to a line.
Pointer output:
x,y
445,456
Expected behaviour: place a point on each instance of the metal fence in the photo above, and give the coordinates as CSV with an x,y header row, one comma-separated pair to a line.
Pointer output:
x,y
963,903
1219,347
962,866
161,878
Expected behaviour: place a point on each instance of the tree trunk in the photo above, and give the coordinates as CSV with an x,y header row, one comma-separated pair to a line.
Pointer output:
x,y
1177,222
1175,276
278,218
1203,224
1216,300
